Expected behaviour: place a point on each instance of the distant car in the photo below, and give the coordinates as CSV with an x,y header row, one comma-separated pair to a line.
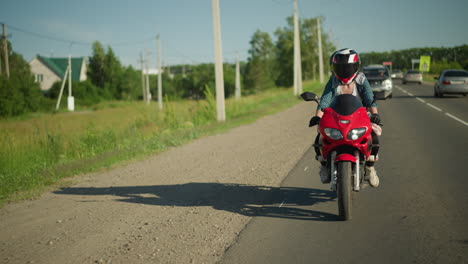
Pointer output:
x,y
380,81
397,74
412,76
451,82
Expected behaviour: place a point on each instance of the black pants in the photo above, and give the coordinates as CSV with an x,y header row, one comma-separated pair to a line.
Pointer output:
x,y
374,151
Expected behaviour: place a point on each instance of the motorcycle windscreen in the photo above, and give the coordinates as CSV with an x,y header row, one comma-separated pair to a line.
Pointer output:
x,y
346,104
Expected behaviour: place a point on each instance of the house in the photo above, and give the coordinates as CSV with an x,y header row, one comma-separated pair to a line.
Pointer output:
x,y
49,70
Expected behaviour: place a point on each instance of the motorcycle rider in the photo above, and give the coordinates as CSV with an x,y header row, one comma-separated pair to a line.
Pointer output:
x,y
347,79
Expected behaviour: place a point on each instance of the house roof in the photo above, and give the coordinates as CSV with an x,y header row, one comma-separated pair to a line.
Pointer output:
x,y
59,66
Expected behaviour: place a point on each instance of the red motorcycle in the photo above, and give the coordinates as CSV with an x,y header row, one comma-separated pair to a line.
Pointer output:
x,y
345,145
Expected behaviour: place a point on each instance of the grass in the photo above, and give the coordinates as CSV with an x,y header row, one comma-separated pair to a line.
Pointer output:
x,y
38,150
429,77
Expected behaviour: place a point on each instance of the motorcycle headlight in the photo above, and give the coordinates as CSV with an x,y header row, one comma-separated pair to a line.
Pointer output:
x,y
332,133
356,133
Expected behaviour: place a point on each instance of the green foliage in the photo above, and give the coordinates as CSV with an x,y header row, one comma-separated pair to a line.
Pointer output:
x,y
27,163
441,58
85,93
438,66
106,72
19,94
285,57
208,112
269,69
96,65
261,63
309,48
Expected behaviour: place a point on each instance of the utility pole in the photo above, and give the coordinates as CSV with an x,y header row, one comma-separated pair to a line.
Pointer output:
x,y
238,88
142,77
148,93
71,99
5,51
297,54
320,55
220,109
0,67
1,63
61,89
160,102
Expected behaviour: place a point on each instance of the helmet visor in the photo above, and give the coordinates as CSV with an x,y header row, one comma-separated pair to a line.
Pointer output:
x,y
345,70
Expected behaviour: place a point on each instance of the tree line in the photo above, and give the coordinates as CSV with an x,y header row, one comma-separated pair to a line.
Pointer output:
x,y
441,58
269,65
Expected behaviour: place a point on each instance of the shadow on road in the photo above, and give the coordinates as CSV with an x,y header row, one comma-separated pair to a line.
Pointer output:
x,y
249,200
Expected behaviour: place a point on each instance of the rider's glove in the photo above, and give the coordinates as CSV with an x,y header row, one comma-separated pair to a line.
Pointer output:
x,y
315,120
375,118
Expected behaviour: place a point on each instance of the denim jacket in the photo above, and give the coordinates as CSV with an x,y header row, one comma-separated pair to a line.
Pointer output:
x,y
362,85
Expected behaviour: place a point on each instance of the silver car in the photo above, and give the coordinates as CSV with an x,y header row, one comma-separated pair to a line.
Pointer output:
x,y
451,82
412,76
379,80
397,74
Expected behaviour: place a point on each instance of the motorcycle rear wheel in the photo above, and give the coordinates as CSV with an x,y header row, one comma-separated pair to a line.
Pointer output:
x,y
344,189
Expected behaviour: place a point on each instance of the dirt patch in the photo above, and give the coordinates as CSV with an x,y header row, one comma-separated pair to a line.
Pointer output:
x,y
186,205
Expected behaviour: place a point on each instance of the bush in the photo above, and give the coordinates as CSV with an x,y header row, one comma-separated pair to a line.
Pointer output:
x,y
85,93
18,95
438,66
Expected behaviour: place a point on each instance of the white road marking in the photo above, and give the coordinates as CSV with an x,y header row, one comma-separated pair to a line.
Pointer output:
x,y
434,107
458,119
281,204
306,168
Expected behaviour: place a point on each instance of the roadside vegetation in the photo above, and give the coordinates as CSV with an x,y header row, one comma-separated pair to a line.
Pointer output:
x,y
441,58
42,149
40,146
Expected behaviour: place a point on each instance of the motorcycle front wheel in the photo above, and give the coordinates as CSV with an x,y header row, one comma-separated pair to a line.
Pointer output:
x,y
344,189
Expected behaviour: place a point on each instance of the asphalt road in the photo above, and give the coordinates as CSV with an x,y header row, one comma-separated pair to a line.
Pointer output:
x,y
419,214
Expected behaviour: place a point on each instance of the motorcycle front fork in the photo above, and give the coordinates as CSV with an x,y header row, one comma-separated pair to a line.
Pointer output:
x,y
356,172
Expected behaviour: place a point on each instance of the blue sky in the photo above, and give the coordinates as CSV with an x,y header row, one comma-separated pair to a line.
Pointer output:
x,y
186,27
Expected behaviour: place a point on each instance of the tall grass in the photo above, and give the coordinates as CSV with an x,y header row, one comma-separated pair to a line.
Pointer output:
x,y
37,151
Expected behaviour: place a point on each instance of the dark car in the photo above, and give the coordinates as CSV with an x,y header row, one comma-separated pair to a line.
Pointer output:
x,y
451,82
380,80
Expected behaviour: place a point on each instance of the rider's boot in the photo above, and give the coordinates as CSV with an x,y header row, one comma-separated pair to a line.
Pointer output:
x,y
324,173
371,174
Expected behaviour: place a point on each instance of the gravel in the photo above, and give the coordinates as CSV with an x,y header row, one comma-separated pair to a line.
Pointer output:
x,y
186,205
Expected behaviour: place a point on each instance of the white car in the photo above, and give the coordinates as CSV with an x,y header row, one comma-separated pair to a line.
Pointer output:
x,y
380,80
451,82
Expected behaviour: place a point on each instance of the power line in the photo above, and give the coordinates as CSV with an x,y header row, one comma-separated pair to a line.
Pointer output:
x,y
45,36
287,2
68,41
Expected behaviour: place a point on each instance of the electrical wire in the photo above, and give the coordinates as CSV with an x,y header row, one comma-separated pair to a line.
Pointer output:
x,y
288,2
74,42
45,36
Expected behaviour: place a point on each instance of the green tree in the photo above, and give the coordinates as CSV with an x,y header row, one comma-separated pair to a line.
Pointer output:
x,y
440,57
19,93
96,65
130,84
309,50
285,54
261,63
113,74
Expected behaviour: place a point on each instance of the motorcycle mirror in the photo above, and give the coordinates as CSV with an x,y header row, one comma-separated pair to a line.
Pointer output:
x,y
308,96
